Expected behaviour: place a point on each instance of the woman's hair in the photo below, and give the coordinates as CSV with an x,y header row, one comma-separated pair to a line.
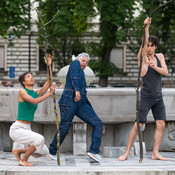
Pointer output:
x,y
154,40
80,56
22,77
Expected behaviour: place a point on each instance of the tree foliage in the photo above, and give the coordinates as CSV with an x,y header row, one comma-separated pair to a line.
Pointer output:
x,y
116,25
14,17
115,21
162,26
72,21
65,31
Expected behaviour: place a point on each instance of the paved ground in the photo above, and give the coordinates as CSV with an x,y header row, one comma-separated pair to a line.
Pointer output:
x,y
84,165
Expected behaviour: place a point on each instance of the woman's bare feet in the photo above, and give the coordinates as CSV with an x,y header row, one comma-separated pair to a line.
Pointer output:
x,y
157,156
25,163
123,157
17,154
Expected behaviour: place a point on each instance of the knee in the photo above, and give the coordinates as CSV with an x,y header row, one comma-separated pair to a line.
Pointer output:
x,y
39,141
98,124
135,126
160,125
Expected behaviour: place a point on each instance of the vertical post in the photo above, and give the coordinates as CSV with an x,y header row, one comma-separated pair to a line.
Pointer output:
x,y
79,138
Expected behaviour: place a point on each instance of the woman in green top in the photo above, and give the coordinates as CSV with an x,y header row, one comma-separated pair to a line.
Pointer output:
x,y
27,104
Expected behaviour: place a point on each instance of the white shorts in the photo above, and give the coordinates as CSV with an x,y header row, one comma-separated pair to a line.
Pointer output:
x,y
22,133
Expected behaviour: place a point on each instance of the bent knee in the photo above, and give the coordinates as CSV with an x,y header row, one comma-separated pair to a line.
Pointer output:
x,y
39,141
135,126
97,123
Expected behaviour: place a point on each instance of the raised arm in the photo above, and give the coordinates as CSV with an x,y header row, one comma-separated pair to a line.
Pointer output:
x,y
147,23
47,84
139,55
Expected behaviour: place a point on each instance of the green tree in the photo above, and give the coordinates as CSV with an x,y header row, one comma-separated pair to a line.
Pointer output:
x,y
14,17
115,21
66,30
162,26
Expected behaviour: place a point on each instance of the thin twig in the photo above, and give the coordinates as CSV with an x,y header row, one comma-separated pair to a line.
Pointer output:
x,y
160,6
52,18
50,77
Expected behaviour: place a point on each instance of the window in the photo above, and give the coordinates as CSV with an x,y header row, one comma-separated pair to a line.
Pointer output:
x,y
118,57
3,51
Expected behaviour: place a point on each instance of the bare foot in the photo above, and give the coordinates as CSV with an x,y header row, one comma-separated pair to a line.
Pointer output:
x,y
17,154
158,157
25,163
124,157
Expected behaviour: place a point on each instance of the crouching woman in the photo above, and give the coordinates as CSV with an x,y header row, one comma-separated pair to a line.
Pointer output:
x,y
20,130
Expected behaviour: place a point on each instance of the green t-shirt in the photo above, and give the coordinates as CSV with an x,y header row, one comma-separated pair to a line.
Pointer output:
x,y
27,110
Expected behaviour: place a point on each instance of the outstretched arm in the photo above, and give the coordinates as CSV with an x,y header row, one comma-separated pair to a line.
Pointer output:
x,y
24,96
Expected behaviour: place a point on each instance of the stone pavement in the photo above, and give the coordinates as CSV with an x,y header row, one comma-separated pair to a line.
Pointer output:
x,y
80,165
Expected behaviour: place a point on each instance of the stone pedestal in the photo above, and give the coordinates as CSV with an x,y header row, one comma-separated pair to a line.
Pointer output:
x,y
6,140
115,152
137,146
79,138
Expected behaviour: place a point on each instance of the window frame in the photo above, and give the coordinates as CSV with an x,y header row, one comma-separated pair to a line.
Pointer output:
x,y
5,57
124,56
38,47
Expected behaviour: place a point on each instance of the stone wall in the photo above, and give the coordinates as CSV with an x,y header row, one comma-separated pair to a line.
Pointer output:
x,y
115,107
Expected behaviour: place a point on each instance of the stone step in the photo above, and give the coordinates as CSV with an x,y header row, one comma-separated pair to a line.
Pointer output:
x,y
83,165
115,152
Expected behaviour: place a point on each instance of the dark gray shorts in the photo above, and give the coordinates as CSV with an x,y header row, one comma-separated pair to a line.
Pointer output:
x,y
155,104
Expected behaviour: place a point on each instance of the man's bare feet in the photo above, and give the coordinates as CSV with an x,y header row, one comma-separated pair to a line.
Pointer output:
x,y
17,154
25,163
158,157
123,157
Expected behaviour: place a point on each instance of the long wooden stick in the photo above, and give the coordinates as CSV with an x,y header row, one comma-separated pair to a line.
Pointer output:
x,y
138,93
49,71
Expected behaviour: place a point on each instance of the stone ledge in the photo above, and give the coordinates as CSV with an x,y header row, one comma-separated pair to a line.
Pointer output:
x,y
115,152
112,105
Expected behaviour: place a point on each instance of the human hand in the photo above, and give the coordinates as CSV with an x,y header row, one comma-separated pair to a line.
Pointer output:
x,y
152,64
77,96
49,58
147,21
52,87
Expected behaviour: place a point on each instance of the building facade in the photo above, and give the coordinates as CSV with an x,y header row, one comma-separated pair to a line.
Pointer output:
x,y
25,55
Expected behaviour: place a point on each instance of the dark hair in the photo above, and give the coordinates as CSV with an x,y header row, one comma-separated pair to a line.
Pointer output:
x,y
22,77
154,40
